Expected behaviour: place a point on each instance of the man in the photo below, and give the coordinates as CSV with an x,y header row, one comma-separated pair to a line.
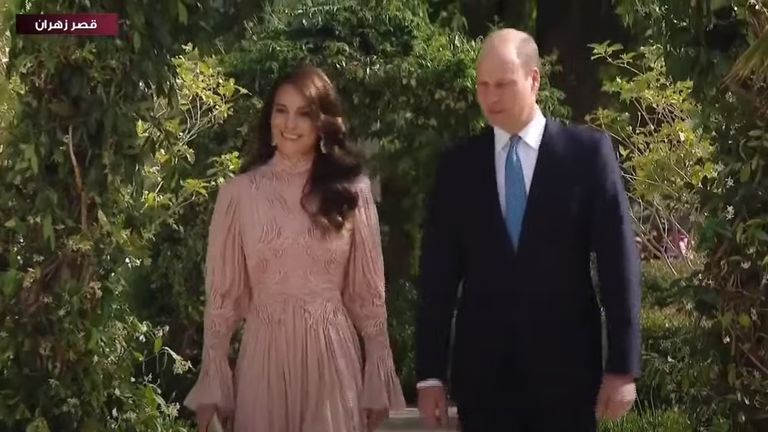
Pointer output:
x,y
513,218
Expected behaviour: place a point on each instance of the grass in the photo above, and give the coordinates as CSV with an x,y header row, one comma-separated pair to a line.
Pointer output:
x,y
667,421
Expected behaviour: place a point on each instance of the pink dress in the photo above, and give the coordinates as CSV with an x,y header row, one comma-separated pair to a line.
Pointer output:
x,y
304,296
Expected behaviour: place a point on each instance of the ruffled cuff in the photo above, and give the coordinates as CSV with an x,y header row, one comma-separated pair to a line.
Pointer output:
x,y
381,385
213,387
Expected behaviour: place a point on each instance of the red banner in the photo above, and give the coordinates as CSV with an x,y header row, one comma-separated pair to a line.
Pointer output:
x,y
94,24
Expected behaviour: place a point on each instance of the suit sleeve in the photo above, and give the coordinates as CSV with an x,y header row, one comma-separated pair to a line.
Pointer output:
x,y
618,263
440,273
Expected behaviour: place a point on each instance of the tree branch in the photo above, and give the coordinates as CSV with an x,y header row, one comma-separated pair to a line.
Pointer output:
x,y
754,360
78,181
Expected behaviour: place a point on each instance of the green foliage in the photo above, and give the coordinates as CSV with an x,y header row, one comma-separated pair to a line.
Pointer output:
x,y
667,421
664,283
699,37
731,288
665,153
753,63
167,288
95,171
9,88
678,369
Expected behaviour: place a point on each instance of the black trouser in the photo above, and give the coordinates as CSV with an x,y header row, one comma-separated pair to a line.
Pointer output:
x,y
515,414
515,400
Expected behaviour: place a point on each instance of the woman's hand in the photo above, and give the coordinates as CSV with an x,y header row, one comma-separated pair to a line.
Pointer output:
x,y
375,417
204,415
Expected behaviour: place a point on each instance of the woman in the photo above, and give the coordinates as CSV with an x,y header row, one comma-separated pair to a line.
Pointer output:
x,y
294,250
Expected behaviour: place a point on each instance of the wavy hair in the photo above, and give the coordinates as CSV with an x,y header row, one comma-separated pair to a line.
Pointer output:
x,y
333,170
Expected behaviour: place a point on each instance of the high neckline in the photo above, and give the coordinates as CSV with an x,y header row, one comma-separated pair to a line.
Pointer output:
x,y
298,165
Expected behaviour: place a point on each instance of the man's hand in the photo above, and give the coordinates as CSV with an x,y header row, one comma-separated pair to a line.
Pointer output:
x,y
616,396
433,406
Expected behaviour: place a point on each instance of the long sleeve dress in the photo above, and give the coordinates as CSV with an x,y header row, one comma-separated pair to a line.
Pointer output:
x,y
305,296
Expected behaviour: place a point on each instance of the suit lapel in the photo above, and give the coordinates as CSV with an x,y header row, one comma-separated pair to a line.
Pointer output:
x,y
544,178
489,188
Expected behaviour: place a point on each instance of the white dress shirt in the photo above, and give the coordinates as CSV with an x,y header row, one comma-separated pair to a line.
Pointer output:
x,y
528,151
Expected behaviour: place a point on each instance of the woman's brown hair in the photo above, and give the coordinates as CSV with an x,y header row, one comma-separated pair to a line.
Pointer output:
x,y
333,169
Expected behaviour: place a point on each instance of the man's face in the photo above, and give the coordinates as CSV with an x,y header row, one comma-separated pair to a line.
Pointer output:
x,y
506,90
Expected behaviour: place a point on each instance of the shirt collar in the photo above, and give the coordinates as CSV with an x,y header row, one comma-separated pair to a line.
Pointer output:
x,y
531,134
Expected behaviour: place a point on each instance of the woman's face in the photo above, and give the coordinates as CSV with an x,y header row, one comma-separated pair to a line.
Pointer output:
x,y
293,130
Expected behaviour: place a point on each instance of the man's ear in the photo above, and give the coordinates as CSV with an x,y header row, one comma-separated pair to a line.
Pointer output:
x,y
535,80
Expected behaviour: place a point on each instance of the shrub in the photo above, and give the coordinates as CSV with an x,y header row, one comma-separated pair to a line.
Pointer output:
x,y
665,421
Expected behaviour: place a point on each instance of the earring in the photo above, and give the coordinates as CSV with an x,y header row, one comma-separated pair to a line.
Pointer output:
x,y
274,144
322,146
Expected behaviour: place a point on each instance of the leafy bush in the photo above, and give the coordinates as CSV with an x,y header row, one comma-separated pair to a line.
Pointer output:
x,y
666,421
82,201
665,283
702,40
665,153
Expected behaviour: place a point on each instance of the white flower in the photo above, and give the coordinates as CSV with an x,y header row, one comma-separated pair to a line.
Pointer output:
x,y
47,299
729,212
729,182
180,366
45,348
173,410
130,416
114,412
726,339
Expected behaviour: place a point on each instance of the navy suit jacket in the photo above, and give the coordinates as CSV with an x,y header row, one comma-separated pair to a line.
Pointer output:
x,y
532,310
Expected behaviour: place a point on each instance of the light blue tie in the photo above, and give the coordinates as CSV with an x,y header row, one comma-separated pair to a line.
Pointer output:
x,y
514,187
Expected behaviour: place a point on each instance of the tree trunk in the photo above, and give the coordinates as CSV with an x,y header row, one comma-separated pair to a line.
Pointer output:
x,y
482,14
567,27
